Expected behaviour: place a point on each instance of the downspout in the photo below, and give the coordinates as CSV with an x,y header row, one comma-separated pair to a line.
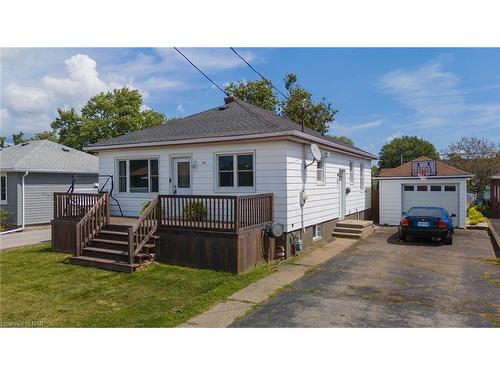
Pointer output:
x,y
22,227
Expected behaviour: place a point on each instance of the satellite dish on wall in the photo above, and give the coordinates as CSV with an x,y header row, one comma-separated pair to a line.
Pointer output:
x,y
316,152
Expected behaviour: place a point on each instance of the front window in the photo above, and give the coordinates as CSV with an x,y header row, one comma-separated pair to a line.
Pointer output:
x,y
138,176
320,172
3,188
235,170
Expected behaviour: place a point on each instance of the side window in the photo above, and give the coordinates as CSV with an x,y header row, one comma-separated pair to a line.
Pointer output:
x,y
422,188
320,171
450,188
409,188
122,176
361,177
435,188
351,172
3,190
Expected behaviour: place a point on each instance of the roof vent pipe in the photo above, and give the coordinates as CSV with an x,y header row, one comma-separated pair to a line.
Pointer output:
x,y
229,99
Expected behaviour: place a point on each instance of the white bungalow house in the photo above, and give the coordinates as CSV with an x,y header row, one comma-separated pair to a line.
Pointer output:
x,y
240,149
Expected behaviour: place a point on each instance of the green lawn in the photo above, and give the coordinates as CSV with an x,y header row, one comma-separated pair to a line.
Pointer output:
x,y
38,285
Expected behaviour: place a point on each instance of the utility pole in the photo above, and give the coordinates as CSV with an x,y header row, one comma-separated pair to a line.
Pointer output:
x,y
401,159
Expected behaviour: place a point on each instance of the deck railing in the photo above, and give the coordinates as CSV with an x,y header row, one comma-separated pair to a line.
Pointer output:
x,y
140,233
92,222
73,206
215,212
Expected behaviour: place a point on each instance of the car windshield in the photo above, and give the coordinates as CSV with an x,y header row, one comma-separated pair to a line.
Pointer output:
x,y
425,211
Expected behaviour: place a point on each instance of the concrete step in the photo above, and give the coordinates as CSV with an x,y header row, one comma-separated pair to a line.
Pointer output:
x,y
354,224
348,230
346,235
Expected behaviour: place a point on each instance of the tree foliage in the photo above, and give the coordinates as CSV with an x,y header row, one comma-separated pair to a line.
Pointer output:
x,y
409,147
48,135
18,138
298,107
2,142
342,139
479,156
106,115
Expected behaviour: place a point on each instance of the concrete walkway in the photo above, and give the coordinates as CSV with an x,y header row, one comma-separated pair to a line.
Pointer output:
x,y
243,301
27,237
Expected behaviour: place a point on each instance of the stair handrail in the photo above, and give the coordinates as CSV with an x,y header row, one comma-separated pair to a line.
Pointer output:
x,y
140,233
96,218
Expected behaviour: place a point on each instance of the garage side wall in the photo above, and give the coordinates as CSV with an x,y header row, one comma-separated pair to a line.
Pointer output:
x,y
391,199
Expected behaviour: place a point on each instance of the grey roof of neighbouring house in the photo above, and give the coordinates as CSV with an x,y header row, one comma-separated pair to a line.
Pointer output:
x,y
229,120
46,156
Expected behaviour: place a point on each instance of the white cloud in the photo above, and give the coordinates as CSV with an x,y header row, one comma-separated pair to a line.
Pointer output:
x,y
345,129
180,108
395,135
436,98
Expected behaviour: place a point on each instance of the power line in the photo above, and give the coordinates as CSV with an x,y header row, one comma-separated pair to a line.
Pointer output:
x,y
225,93
255,70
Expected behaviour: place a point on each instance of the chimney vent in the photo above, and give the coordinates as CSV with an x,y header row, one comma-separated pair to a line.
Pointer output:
x,y
229,99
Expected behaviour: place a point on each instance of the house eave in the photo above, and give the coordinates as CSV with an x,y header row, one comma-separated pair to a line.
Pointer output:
x,y
22,170
418,178
292,135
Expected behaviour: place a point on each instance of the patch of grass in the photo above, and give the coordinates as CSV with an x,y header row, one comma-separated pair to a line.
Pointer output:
x,y
38,285
493,318
494,261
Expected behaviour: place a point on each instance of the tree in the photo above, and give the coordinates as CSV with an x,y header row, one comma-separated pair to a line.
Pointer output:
x,y
259,93
2,142
48,135
342,139
480,157
17,138
406,147
298,106
106,115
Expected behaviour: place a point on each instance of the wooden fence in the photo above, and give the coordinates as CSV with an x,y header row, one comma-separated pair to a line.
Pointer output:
x,y
215,212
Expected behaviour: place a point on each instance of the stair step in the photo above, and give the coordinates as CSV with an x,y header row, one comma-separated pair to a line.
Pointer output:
x,y
354,223
107,264
346,235
347,230
106,251
112,242
113,232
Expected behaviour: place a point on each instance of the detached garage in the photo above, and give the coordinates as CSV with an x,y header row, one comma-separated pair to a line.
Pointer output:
x,y
422,182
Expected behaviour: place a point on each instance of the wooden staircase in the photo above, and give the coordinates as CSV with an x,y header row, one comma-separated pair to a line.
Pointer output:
x,y
353,229
116,247
110,250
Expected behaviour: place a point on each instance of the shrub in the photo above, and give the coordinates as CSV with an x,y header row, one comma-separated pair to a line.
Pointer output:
x,y
475,216
3,219
486,210
194,211
144,207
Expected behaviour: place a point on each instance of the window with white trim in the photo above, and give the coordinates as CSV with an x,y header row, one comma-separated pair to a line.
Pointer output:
x,y
362,177
138,176
351,173
317,231
235,170
3,188
320,171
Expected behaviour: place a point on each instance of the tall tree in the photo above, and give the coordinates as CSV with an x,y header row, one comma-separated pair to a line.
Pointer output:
x,y
48,135
405,148
259,93
479,156
298,107
2,142
106,115
18,138
342,139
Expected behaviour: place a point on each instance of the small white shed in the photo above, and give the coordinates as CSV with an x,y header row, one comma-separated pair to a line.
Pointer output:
x,y
422,182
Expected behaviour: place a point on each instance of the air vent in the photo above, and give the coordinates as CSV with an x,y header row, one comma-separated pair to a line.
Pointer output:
x,y
223,108
65,149
24,144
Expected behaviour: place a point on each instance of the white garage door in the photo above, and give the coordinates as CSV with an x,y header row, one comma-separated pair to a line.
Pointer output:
x,y
432,195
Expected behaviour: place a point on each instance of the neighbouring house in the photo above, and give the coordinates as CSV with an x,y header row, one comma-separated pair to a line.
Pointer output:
x,y
31,172
422,182
495,193
239,150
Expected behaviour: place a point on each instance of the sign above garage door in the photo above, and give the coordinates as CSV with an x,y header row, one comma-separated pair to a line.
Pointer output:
x,y
423,168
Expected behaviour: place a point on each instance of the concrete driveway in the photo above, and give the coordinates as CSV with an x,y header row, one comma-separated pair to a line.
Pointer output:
x,y
380,282
27,237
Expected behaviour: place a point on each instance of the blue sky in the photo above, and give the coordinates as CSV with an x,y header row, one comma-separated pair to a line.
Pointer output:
x,y
437,93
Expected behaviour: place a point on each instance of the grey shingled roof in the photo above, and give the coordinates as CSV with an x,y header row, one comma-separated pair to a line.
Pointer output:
x,y
223,121
46,156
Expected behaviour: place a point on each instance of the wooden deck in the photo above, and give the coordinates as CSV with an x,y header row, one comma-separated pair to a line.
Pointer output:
x,y
217,232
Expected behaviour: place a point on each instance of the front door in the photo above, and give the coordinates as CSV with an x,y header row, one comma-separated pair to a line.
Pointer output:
x,y
182,179
342,194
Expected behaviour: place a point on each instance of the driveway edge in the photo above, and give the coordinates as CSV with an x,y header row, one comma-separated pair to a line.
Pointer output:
x,y
245,300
